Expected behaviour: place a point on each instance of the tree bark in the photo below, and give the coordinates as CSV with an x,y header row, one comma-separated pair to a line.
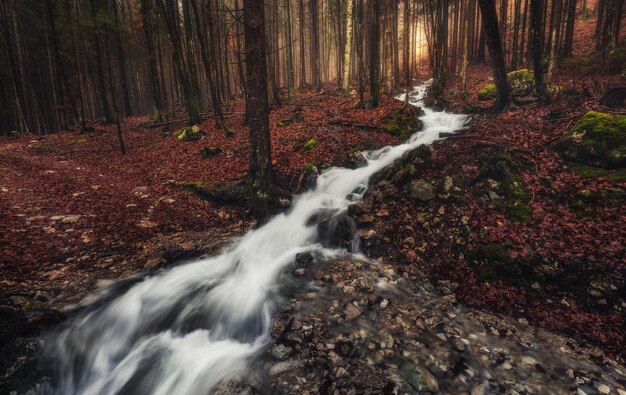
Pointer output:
x,y
375,55
346,53
494,45
315,52
536,8
257,107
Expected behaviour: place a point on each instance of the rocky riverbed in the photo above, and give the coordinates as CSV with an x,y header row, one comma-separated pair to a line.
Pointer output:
x,y
355,326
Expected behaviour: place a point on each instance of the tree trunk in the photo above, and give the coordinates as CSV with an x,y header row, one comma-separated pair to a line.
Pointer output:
x,y
494,45
536,8
257,107
121,60
346,53
375,55
302,47
291,91
169,11
315,52
155,91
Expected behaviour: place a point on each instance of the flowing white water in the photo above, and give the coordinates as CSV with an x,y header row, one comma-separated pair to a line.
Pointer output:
x,y
186,329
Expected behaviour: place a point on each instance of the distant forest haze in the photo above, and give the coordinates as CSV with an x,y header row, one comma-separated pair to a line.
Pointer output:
x,y
67,63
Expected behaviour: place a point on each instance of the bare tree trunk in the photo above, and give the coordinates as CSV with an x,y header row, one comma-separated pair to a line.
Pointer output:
x,y
346,53
302,49
315,52
536,8
375,55
359,50
104,103
121,60
260,172
494,44
291,91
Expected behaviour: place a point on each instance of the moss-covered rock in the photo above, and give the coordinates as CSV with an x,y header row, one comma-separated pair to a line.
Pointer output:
x,y
492,263
310,168
190,133
521,81
597,139
402,123
309,145
487,93
502,168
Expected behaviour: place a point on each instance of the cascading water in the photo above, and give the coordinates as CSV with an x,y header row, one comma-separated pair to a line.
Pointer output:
x,y
184,330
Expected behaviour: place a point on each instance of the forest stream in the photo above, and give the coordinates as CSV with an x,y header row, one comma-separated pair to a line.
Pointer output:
x,y
192,328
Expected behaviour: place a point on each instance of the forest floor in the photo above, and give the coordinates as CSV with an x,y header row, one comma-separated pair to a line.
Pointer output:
x,y
74,211
71,199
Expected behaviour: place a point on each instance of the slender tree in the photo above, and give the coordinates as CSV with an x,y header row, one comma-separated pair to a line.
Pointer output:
x,y
536,8
257,106
348,46
315,52
374,43
291,92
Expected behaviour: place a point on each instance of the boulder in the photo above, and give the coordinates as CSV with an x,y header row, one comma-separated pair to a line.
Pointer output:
x,y
521,81
402,123
597,139
422,190
337,231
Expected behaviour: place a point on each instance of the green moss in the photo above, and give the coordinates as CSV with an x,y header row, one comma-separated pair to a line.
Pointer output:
x,y
309,145
521,82
194,186
76,142
402,123
502,168
310,167
492,262
597,139
285,122
586,171
488,92
190,133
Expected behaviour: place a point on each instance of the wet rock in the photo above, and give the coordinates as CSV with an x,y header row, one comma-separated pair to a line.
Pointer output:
x,y
422,190
304,259
403,175
232,387
154,263
352,311
337,232
299,272
281,352
419,379
285,366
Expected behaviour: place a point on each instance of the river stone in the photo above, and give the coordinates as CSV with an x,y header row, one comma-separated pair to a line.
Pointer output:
x,y
337,231
422,190
352,311
285,366
281,352
304,259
